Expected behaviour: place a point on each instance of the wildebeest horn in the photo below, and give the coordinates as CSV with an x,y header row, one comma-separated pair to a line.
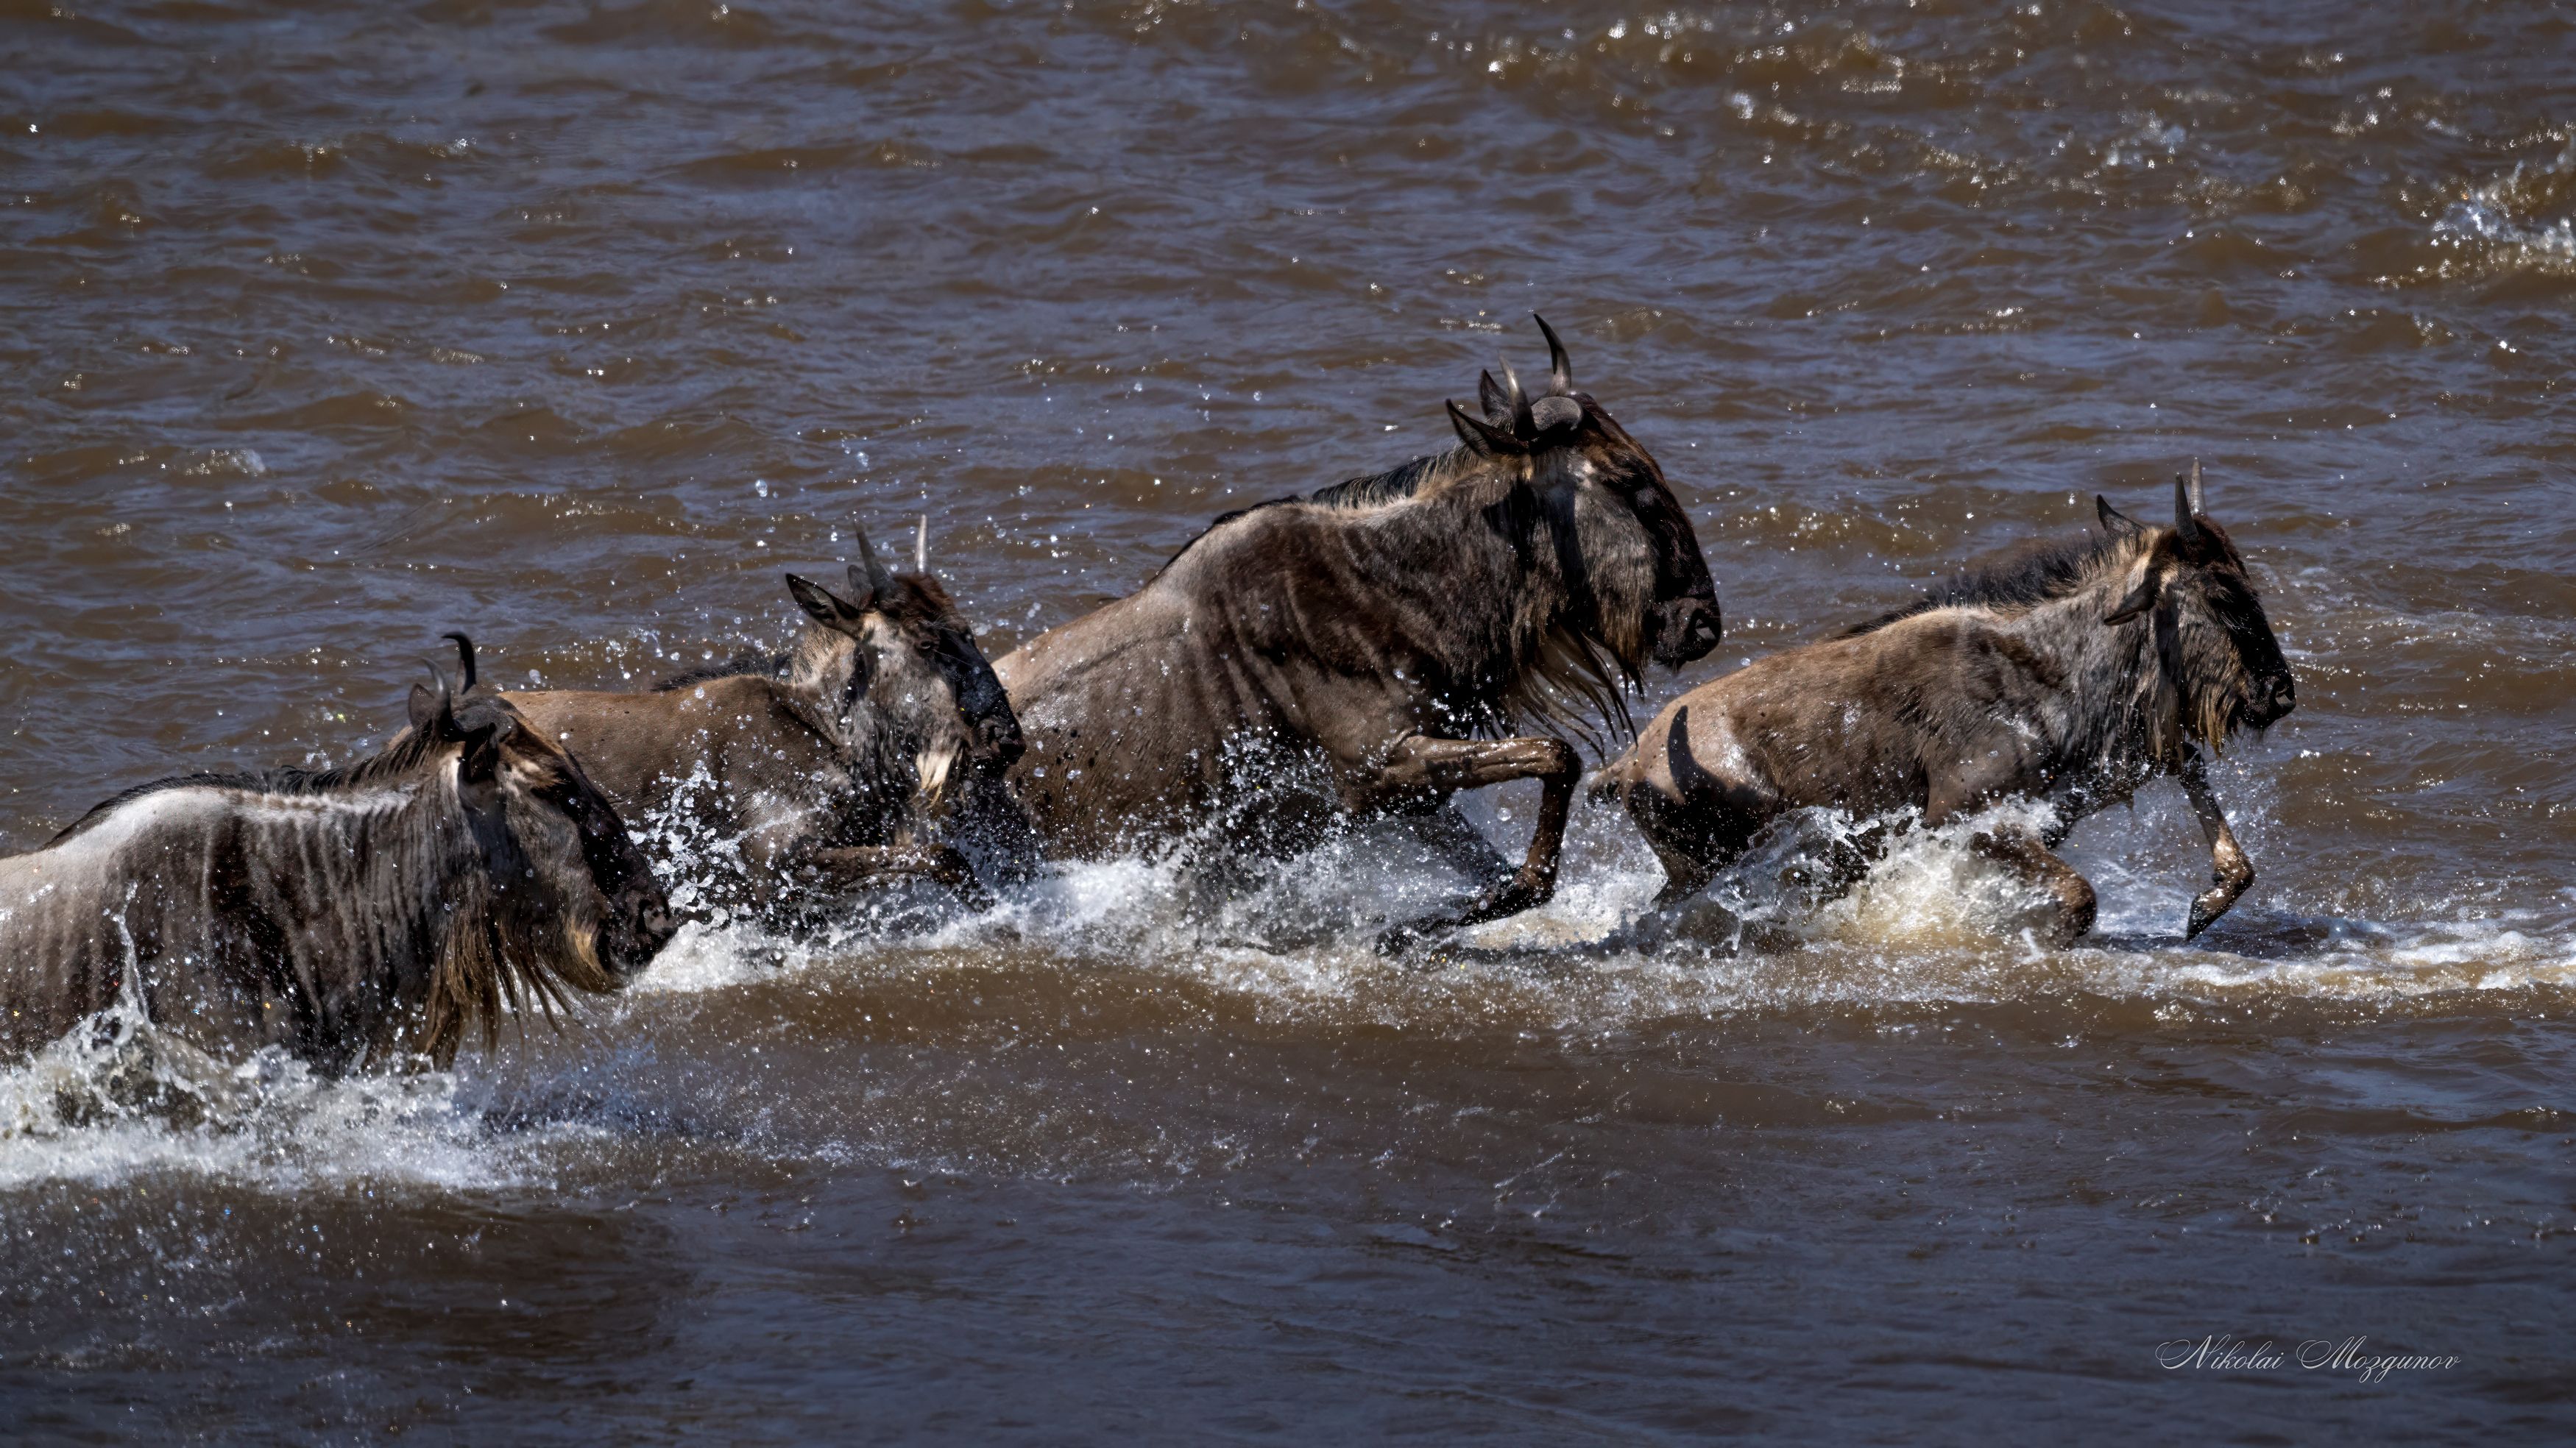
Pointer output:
x,y
443,707
921,546
2186,527
465,657
2198,503
879,579
1560,371
1523,425
1481,435
1550,413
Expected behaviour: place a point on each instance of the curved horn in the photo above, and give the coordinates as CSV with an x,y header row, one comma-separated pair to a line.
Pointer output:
x,y
2198,503
2186,527
465,657
880,579
1481,435
921,546
1560,371
442,713
1522,424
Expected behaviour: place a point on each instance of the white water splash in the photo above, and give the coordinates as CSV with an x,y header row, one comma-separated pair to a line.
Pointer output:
x,y
119,1098
2508,212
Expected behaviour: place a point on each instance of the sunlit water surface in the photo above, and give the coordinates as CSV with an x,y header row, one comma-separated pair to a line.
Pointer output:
x,y
334,326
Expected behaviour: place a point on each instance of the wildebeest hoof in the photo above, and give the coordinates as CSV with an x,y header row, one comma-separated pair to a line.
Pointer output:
x,y
1405,939
2206,907
2227,884
1510,897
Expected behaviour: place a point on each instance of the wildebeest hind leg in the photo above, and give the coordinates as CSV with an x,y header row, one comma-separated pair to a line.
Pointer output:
x,y
2072,893
1421,765
862,866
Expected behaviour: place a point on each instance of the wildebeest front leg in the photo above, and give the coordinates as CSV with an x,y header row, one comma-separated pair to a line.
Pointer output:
x,y
1445,766
2229,871
858,867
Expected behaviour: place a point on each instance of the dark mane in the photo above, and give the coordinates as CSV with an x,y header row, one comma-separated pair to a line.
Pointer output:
x,y
1385,487
1393,485
2030,574
405,755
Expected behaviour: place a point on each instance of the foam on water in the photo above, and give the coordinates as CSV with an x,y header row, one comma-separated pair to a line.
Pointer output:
x,y
118,1100
1929,924
1930,921
2510,213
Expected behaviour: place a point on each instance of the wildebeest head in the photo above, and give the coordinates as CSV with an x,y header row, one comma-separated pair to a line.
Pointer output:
x,y
1640,584
2214,642
916,666
569,896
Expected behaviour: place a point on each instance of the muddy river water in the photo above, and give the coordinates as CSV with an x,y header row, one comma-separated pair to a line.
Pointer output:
x,y
330,326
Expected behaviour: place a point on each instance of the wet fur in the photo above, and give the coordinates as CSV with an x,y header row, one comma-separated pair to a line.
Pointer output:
x,y
2005,682
355,916
1268,672
820,747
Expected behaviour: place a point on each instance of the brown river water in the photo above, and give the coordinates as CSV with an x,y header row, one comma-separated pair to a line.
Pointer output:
x,y
330,326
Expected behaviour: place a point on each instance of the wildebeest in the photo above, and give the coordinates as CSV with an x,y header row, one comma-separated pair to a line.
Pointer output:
x,y
2070,673
1368,649
825,768
355,916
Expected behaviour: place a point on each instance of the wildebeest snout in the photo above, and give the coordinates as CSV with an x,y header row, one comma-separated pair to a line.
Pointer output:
x,y
657,926
1688,629
998,744
643,925
2271,699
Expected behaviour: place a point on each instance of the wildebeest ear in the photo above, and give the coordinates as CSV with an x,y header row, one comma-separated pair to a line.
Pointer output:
x,y
826,607
1483,437
2151,581
2115,522
1496,402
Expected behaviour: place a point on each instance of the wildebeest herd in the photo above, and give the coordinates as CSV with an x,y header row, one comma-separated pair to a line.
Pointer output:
x,y
1360,653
